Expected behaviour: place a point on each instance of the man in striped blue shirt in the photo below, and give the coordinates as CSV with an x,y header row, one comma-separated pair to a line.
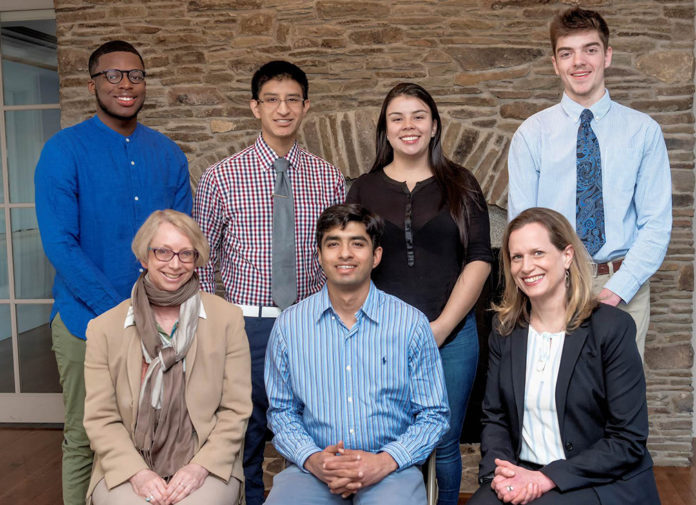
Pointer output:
x,y
354,380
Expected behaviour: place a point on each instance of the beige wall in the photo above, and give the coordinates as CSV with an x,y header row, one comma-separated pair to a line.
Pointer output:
x,y
486,63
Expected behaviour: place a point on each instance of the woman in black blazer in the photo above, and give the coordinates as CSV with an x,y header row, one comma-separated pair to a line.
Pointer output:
x,y
565,419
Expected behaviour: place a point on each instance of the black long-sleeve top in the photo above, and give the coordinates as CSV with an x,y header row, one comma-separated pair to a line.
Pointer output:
x,y
421,266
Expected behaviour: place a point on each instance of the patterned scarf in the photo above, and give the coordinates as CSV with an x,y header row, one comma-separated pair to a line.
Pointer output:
x,y
164,434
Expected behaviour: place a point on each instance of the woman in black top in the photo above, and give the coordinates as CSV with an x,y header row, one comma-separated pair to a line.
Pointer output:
x,y
436,244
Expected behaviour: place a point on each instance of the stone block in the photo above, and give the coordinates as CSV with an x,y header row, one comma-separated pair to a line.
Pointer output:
x,y
483,58
127,12
670,357
679,12
686,278
667,66
258,23
192,95
473,78
226,5
520,109
141,29
381,35
336,9
73,60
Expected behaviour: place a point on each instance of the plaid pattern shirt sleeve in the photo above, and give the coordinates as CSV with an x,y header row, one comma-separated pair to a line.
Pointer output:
x,y
234,208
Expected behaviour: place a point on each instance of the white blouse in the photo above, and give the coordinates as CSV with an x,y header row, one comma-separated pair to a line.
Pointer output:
x,y
541,435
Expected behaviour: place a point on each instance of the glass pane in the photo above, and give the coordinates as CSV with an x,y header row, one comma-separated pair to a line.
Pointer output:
x,y
38,372
2,193
4,279
29,62
33,272
6,368
26,133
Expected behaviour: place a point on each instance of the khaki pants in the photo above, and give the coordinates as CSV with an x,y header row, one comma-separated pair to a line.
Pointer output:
x,y
77,455
213,492
638,307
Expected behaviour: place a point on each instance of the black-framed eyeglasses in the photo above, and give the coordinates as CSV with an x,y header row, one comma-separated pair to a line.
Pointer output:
x,y
115,75
164,254
291,101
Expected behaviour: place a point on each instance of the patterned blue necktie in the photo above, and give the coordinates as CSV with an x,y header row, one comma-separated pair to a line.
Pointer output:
x,y
589,207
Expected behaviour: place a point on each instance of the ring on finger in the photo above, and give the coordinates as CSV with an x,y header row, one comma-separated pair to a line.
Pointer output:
x,y
510,488
149,498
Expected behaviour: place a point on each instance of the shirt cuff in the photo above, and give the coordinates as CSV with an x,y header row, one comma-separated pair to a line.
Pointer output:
x,y
623,284
399,453
302,454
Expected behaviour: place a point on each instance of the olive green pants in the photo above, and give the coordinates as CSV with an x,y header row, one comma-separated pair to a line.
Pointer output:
x,y
77,456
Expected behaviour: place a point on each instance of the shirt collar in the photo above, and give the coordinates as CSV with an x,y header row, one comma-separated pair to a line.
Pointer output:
x,y
370,306
130,316
268,155
574,109
97,123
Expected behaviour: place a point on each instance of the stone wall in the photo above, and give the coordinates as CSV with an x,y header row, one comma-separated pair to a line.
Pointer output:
x,y
485,61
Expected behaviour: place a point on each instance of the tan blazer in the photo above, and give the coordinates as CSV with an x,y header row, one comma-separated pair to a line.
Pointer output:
x,y
218,392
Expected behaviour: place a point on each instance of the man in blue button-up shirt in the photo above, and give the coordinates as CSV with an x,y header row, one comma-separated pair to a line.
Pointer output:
x,y
635,172
354,380
96,183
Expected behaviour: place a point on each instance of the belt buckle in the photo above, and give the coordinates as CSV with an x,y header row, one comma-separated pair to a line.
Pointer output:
x,y
594,268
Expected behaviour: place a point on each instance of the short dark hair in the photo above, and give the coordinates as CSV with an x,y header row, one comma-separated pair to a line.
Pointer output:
x,y
278,69
342,214
113,46
578,20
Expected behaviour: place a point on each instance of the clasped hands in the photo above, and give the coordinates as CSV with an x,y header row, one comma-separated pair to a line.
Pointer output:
x,y
346,471
185,481
517,485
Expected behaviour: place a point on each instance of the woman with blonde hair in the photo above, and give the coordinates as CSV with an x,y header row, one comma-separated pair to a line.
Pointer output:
x,y
167,375
565,419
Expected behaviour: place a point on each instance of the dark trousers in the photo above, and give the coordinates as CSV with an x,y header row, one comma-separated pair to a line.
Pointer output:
x,y
258,330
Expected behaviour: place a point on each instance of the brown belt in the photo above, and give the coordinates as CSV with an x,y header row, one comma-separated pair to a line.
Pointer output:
x,y
603,268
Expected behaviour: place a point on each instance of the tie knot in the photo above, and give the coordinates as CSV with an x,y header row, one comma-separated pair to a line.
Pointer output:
x,y
586,116
280,164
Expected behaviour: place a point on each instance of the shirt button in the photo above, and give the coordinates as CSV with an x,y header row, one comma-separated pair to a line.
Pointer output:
x,y
348,368
352,431
127,139
140,270
132,162
136,198
350,399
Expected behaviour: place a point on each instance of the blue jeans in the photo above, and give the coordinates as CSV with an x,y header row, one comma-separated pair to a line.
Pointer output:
x,y
459,360
258,329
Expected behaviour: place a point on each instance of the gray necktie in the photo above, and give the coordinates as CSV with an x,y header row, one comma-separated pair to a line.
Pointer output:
x,y
283,276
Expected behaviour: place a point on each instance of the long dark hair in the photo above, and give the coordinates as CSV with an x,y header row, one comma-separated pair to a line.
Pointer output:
x,y
458,185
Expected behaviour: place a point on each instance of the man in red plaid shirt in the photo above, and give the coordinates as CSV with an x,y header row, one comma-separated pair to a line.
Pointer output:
x,y
234,208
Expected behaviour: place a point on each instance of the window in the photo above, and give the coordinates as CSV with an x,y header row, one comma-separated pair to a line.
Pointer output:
x,y
29,115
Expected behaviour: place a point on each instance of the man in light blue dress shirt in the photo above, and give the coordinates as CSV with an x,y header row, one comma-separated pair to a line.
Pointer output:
x,y
355,386
635,172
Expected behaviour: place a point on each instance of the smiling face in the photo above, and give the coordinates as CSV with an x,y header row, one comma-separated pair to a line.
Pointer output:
x,y
348,258
280,121
537,266
169,275
117,103
410,126
580,61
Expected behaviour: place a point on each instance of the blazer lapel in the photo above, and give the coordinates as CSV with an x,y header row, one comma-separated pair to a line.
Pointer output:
x,y
518,358
190,358
134,369
572,345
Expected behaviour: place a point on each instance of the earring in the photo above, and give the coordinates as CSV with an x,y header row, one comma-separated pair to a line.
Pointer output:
x,y
567,278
